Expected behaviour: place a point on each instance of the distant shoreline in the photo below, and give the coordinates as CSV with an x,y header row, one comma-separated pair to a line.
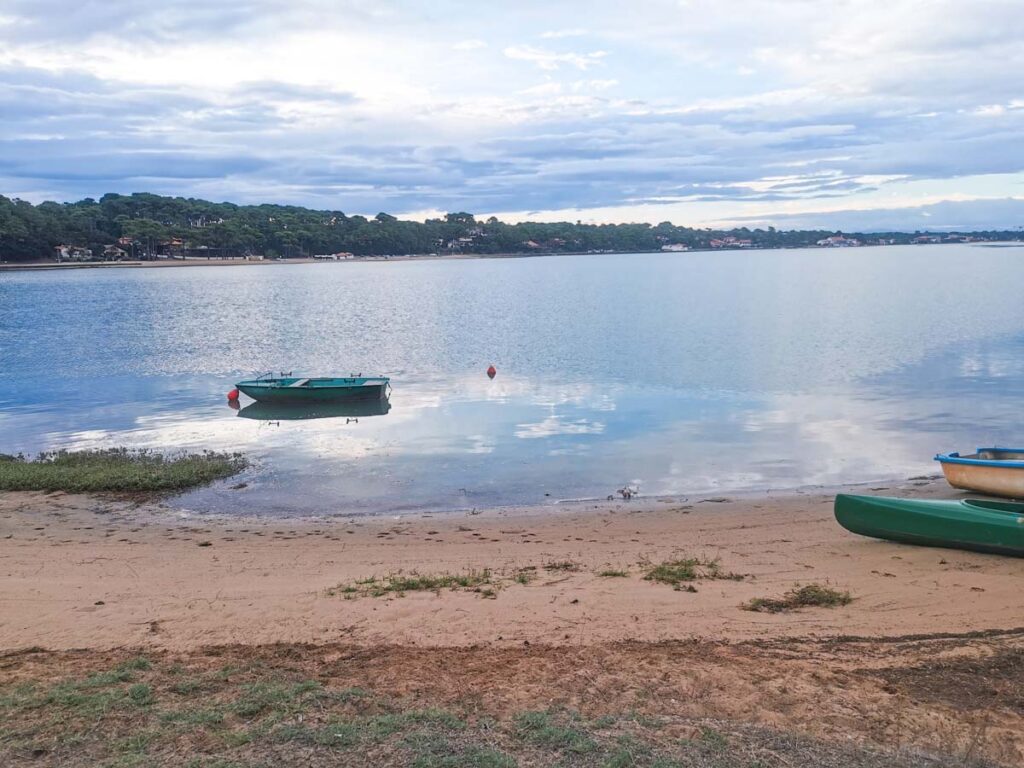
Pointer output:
x,y
166,263
39,266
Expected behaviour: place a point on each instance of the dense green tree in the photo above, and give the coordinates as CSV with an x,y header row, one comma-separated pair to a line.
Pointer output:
x,y
32,232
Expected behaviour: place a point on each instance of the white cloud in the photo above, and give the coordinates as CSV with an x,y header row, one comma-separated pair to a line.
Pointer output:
x,y
469,45
552,60
557,34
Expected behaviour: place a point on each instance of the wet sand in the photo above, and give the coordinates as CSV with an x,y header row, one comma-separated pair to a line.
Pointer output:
x,y
78,572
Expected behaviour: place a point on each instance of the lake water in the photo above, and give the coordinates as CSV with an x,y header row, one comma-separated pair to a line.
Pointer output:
x,y
677,373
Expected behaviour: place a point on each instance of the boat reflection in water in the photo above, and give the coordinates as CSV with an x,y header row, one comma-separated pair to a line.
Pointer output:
x,y
353,409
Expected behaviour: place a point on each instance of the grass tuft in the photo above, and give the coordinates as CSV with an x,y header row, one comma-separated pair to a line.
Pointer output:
x,y
399,584
679,572
550,730
612,573
809,596
562,565
116,470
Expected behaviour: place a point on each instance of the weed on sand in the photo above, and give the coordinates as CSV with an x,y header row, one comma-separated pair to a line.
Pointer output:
x,y
400,584
809,596
681,572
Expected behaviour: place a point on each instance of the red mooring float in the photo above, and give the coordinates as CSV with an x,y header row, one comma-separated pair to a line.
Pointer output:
x,y
233,396
492,372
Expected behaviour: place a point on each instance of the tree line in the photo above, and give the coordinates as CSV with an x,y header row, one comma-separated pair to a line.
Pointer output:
x,y
148,224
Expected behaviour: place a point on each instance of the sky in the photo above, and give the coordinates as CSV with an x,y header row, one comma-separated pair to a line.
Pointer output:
x,y
839,114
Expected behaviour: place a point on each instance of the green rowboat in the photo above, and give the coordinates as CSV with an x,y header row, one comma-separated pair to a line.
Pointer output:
x,y
975,524
295,390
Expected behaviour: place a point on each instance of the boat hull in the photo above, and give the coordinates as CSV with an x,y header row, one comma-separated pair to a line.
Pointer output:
x,y
992,471
299,391
981,526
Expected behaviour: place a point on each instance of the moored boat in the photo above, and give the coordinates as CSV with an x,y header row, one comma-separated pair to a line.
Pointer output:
x,y
975,524
995,471
292,389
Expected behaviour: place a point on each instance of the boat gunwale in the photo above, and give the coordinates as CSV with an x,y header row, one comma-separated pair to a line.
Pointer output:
x,y
931,506
992,505
343,383
956,458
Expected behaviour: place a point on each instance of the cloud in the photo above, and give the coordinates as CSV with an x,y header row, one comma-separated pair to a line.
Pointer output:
x,y
948,215
551,60
557,34
693,111
469,45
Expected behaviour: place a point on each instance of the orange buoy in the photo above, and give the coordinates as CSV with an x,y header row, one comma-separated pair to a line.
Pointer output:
x,y
492,372
233,396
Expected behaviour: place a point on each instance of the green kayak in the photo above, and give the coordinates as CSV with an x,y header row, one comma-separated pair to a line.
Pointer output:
x,y
979,525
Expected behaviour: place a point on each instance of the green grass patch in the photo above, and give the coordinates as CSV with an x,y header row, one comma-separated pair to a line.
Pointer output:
x,y
562,565
678,573
612,573
259,698
116,470
399,584
267,713
809,596
555,730
525,575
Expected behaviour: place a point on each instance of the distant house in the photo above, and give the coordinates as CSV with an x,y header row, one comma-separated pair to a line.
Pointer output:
x,y
198,222
114,253
729,241
675,247
531,244
340,256
73,253
174,248
838,241
924,239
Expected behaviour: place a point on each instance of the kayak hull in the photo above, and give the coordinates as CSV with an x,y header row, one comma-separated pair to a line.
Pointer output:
x,y
981,526
993,471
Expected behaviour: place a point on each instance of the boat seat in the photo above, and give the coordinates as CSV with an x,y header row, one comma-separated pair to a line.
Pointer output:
x,y
299,383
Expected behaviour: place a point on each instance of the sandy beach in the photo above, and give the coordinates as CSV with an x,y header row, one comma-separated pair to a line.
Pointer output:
x,y
167,581
86,582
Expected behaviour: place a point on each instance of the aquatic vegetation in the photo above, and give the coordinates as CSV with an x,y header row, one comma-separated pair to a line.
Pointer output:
x,y
116,470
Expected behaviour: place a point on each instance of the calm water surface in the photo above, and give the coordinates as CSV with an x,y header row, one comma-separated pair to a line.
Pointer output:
x,y
680,373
